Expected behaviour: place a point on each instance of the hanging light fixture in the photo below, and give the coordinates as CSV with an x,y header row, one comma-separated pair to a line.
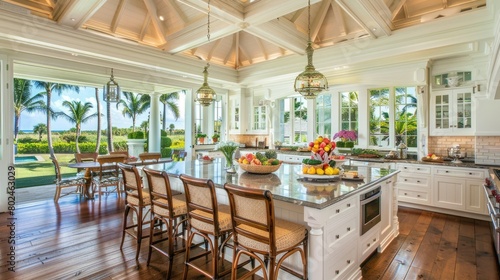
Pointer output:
x,y
205,95
112,90
310,82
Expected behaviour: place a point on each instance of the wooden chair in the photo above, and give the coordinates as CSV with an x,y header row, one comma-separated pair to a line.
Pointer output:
x,y
153,157
83,157
208,220
256,232
108,175
77,182
165,210
136,199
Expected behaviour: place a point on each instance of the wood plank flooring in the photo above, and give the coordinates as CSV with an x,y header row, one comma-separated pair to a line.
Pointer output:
x,y
80,239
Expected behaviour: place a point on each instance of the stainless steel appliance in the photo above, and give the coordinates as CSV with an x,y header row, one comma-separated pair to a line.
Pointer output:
x,y
457,153
370,209
491,188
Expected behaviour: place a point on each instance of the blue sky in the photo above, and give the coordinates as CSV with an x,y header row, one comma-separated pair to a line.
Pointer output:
x,y
87,94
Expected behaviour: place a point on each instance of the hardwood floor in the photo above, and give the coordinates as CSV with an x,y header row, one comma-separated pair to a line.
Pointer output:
x,y
80,239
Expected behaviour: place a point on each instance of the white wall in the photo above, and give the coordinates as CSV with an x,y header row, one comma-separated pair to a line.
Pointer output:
x,y
6,134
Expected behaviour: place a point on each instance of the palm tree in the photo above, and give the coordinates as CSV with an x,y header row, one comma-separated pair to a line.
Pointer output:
x,y
40,128
49,88
144,125
23,101
78,114
171,128
109,130
134,105
170,100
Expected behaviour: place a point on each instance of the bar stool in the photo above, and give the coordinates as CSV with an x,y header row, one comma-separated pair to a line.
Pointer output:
x,y
136,199
168,210
257,231
206,219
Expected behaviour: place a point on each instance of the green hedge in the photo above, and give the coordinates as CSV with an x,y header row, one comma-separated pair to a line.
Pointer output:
x,y
59,147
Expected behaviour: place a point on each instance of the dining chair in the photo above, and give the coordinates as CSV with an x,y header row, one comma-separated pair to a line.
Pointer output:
x,y
136,199
108,179
77,182
256,232
83,157
169,210
208,220
152,157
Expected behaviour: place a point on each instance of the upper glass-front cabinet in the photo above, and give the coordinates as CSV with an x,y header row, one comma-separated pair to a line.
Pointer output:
x,y
259,118
234,113
452,112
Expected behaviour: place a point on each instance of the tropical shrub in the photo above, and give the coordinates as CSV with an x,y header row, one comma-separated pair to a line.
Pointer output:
x,y
136,135
27,140
166,152
59,147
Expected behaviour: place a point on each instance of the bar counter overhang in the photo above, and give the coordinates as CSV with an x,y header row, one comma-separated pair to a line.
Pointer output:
x,y
331,210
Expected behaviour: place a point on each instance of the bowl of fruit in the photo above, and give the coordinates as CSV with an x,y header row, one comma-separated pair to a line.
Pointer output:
x,y
259,163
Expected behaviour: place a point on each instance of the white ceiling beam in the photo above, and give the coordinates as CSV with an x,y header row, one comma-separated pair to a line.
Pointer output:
x,y
267,10
261,46
76,13
117,16
218,9
172,4
214,47
372,15
395,7
144,27
153,13
195,35
233,47
297,14
282,33
319,18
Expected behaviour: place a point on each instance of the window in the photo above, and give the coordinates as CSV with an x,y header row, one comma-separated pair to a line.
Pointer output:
x,y
293,120
198,115
442,79
217,116
379,117
349,110
259,117
324,115
406,115
393,117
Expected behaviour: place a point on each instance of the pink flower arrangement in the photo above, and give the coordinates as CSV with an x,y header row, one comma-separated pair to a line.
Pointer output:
x,y
346,135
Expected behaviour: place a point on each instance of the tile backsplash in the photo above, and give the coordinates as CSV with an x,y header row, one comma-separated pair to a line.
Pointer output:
x,y
488,150
485,149
439,144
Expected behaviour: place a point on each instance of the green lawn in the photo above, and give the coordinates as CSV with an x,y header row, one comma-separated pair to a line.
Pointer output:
x,y
42,172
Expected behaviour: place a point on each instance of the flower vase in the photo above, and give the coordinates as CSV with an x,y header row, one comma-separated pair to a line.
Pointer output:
x,y
230,164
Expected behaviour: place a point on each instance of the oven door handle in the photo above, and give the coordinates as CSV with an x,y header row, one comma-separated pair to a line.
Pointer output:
x,y
493,218
371,198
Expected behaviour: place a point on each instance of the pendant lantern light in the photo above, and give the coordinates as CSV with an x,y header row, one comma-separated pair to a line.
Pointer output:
x,y
205,95
310,82
112,90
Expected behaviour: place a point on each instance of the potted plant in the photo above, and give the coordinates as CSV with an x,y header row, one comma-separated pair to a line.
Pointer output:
x,y
201,138
215,137
135,143
347,138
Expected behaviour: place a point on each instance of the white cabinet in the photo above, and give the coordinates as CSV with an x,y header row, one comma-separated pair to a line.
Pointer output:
x,y
449,192
452,112
290,158
414,182
234,113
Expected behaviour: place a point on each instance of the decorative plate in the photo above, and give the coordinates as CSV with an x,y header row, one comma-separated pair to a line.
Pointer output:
x,y
311,177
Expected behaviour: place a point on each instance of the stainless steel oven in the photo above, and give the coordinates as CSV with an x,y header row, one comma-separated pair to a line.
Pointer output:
x,y
370,209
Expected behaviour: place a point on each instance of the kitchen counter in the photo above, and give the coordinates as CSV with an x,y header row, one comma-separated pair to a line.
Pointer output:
x,y
332,211
285,184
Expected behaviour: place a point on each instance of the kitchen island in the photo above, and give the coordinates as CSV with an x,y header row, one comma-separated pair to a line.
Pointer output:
x,y
332,210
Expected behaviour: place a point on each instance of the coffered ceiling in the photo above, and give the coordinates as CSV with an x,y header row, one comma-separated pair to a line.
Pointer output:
x,y
242,32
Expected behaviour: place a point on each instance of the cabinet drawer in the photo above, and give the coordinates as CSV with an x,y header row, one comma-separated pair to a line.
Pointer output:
x,y
369,242
341,264
419,181
337,234
467,173
413,196
342,209
414,169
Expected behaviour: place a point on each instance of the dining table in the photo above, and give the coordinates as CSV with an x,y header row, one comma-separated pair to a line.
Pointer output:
x,y
95,166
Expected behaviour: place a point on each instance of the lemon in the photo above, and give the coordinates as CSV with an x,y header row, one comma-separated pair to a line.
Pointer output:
x,y
311,170
329,170
336,171
320,171
304,170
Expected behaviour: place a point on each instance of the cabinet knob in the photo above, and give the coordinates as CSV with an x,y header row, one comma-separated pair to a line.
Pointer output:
x,y
446,171
348,261
418,195
337,211
368,245
418,181
349,229
337,272
374,239
337,236
406,194
406,180
470,173
348,205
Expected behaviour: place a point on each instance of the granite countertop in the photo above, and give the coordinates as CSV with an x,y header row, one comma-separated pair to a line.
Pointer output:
x,y
286,184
